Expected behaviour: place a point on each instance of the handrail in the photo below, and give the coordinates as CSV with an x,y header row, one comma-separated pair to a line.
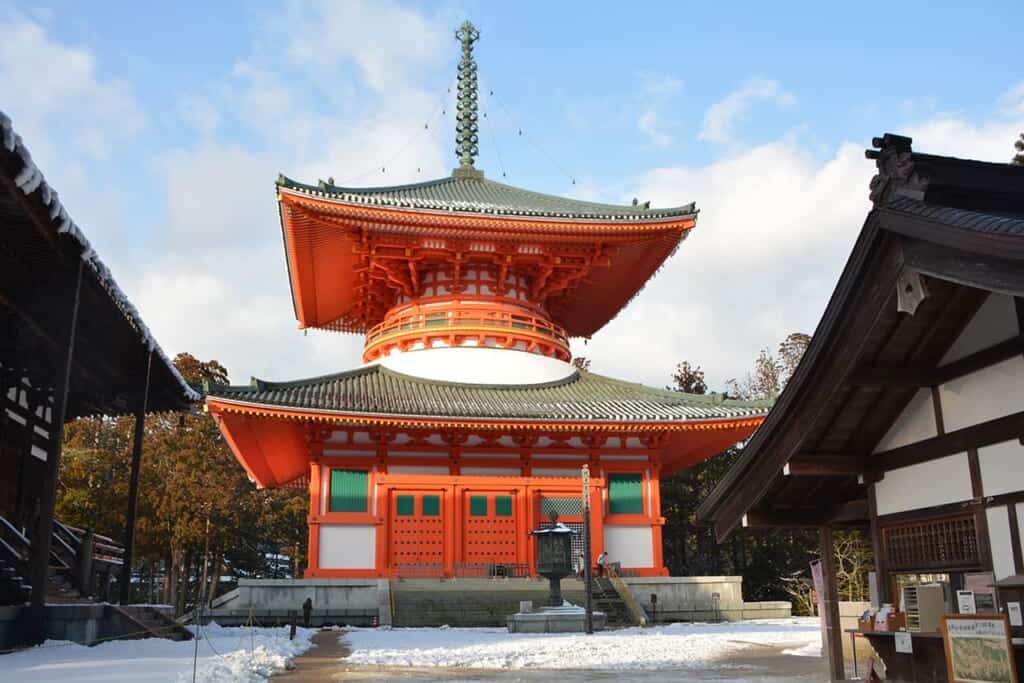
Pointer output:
x,y
637,612
466,316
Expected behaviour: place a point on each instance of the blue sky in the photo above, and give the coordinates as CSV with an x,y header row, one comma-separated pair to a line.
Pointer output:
x,y
164,127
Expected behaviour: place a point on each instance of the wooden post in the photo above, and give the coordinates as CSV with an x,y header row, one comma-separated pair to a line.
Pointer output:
x,y
588,591
833,635
133,488
39,563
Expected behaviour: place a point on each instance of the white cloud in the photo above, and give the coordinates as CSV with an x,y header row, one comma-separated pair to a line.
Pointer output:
x,y
648,124
1012,101
721,118
53,87
776,226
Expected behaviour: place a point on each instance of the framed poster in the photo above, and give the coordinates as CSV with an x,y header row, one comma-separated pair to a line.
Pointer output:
x,y
978,648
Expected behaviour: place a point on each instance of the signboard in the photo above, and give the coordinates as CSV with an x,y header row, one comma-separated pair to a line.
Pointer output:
x,y
1013,609
965,602
904,644
978,649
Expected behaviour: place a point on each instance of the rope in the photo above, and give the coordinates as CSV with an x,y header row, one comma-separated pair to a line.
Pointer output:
x,y
403,148
529,139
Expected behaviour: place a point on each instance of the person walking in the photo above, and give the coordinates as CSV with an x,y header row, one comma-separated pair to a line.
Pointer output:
x,y
581,566
602,562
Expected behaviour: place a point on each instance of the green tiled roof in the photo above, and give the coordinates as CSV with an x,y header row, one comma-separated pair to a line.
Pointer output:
x,y
471,192
582,396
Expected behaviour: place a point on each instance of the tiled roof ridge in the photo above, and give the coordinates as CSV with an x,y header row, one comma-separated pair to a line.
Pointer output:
x,y
575,377
571,207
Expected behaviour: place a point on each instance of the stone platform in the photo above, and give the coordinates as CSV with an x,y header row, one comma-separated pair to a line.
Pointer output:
x,y
570,619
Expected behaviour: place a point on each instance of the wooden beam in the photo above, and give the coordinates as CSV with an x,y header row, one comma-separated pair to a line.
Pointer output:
x,y
851,512
958,441
911,377
824,465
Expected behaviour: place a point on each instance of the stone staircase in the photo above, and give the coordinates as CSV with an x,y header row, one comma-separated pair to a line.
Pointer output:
x,y
607,599
14,589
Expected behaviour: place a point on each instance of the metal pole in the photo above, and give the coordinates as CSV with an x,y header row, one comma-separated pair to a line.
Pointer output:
x,y
133,489
587,588
40,560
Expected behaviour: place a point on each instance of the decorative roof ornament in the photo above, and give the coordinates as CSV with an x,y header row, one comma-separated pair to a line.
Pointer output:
x,y
465,121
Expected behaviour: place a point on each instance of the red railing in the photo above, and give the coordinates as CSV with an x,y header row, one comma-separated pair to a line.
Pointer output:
x,y
413,323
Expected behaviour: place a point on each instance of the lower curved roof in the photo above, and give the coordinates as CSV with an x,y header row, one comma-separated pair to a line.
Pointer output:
x,y
581,397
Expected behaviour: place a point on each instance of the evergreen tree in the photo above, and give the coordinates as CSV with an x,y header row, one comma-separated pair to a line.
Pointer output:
x,y
1018,145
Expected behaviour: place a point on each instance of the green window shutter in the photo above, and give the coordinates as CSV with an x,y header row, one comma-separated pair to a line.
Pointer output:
x,y
624,494
348,491
431,506
405,505
503,506
478,506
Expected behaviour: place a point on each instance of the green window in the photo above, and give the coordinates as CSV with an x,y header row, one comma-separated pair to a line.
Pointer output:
x,y
348,491
405,505
431,506
503,506
478,506
624,494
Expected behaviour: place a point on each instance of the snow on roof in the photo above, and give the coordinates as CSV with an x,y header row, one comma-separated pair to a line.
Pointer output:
x,y
30,179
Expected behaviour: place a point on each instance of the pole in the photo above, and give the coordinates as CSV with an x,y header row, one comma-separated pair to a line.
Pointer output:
x,y
587,588
133,488
39,564
829,600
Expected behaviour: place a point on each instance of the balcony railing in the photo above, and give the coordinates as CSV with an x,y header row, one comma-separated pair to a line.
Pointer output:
x,y
423,323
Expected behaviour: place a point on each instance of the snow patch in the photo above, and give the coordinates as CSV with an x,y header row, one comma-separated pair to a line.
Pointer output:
x,y
226,655
672,646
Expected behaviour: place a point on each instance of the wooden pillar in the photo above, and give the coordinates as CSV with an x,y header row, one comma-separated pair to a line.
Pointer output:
x,y
832,636
39,563
313,520
878,549
125,588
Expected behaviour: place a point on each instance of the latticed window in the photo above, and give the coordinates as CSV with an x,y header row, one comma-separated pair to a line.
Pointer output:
x,y
565,507
932,544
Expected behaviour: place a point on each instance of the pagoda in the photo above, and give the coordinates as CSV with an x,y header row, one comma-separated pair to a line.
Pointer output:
x,y
468,424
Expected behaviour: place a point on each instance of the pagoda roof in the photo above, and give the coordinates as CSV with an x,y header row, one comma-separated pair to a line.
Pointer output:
x,y
473,193
581,397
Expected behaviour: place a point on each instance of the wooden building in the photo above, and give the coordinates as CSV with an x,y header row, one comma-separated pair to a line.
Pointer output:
x,y
906,415
468,423
71,345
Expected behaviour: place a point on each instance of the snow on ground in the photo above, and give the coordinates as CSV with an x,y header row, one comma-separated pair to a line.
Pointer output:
x,y
672,646
226,655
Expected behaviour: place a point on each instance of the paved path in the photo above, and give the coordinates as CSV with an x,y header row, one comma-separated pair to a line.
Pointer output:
x,y
758,664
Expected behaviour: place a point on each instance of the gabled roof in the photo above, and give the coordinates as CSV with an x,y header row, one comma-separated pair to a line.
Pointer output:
x,y
473,193
40,248
957,224
581,397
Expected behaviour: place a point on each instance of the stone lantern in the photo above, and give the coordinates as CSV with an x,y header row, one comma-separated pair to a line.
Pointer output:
x,y
554,556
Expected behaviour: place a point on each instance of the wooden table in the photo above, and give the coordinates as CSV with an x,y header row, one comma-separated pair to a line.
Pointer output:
x,y
927,662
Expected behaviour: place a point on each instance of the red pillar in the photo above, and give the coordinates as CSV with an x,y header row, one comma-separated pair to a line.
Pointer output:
x,y
313,563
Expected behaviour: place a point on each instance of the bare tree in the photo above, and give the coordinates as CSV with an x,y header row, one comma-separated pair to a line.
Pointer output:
x,y
689,379
581,363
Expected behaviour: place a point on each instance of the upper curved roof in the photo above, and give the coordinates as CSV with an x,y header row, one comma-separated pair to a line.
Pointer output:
x,y
473,193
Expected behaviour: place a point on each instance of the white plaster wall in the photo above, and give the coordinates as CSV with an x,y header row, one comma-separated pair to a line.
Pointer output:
x,y
347,546
631,545
999,541
556,472
1002,468
946,480
915,423
490,471
995,321
473,365
418,469
984,395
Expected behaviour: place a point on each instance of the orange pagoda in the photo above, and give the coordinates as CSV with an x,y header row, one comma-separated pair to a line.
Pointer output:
x,y
467,423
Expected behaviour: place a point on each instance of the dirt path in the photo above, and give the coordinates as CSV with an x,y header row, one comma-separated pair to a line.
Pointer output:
x,y
322,662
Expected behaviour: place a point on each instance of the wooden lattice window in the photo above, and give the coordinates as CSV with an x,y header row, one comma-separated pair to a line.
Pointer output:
x,y
944,543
